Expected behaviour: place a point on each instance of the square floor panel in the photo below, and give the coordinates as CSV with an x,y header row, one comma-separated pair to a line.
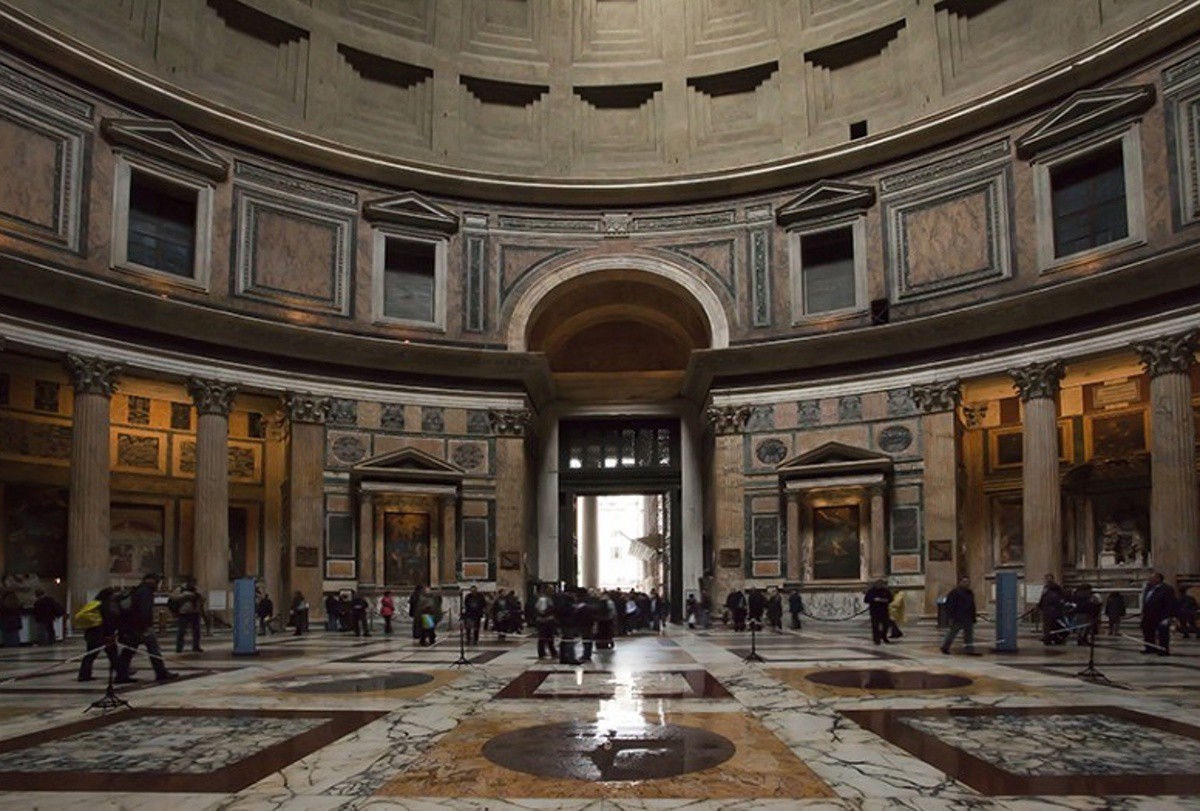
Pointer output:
x,y
170,750
569,684
1048,750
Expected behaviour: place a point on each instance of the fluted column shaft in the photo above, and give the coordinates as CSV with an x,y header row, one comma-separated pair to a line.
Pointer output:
x,y
210,556
1174,513
88,521
1042,502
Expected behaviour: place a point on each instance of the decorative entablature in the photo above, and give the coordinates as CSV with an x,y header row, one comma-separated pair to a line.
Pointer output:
x,y
832,463
825,199
413,211
1085,112
408,466
168,141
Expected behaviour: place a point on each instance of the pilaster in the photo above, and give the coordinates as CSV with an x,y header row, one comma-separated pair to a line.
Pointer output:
x,y
727,423
514,516
306,415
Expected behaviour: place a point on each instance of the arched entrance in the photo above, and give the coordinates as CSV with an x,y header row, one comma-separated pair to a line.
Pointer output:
x,y
618,335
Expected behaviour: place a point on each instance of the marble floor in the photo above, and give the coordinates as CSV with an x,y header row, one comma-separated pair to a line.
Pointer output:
x,y
681,720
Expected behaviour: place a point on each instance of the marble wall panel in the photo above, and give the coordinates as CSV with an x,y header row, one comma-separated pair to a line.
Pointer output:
x,y
471,456
30,157
433,447
718,258
293,253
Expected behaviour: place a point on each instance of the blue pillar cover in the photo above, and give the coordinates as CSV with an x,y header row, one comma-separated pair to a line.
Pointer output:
x,y
1006,612
245,639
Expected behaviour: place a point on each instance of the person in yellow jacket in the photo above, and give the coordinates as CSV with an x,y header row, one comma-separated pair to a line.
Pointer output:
x,y
896,614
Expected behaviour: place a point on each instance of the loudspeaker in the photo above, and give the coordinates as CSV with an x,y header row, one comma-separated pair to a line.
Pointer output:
x,y
879,312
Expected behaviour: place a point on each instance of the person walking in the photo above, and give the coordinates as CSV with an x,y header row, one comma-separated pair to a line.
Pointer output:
x,y
299,614
474,608
1050,604
358,615
795,608
736,603
1158,607
46,611
960,609
878,598
265,611
387,608
135,627
99,633
1114,610
775,609
896,615
188,606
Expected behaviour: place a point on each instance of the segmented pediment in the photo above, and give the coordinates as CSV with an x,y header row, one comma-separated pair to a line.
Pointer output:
x,y
1084,112
823,199
165,140
412,210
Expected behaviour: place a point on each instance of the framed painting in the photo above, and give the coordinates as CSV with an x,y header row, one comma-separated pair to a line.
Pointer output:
x,y
35,531
135,543
837,552
1116,436
406,548
1006,446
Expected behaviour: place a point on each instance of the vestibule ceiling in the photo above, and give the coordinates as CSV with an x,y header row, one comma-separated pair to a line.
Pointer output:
x,y
603,91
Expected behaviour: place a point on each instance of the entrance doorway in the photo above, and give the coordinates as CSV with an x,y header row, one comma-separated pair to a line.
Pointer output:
x,y
632,467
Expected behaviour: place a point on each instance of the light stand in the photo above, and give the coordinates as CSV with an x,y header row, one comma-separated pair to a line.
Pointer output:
x,y
462,648
753,655
110,700
1090,673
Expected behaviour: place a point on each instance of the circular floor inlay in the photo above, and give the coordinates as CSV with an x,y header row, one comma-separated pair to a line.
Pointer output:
x,y
875,679
357,684
590,751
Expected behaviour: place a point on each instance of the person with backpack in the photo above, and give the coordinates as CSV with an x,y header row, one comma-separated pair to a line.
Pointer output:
x,y
188,606
99,633
134,616
46,611
544,621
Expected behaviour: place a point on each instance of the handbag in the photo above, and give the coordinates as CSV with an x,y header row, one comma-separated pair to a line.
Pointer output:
x,y
427,622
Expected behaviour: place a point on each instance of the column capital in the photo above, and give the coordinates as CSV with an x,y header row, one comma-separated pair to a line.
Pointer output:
x,y
973,414
1170,354
211,396
1038,380
727,419
510,422
942,395
306,407
92,375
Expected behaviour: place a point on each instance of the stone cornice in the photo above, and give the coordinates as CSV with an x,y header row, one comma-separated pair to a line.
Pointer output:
x,y
1038,380
211,396
1171,354
26,34
92,375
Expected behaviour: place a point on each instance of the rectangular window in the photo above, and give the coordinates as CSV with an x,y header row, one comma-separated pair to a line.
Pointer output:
x,y
827,262
409,280
1088,200
162,224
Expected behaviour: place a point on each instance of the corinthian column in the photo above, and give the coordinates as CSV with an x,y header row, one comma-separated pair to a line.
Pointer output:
x,y
305,518
1174,522
728,502
210,556
1037,384
937,402
88,524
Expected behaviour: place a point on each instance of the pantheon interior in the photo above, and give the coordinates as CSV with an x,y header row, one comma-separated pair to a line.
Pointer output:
x,y
361,295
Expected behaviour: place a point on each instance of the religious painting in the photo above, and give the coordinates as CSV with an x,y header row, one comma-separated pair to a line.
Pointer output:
x,y
1006,446
1008,530
406,548
135,541
1116,436
836,545
35,531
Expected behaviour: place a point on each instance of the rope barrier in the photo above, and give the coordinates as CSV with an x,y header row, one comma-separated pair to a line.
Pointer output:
x,y
51,667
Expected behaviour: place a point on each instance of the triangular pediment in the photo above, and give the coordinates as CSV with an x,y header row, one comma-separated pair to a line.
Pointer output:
x,y
835,459
407,464
824,199
1084,112
168,141
412,210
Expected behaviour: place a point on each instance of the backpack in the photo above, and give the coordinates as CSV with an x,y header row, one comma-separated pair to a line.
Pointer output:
x,y
88,616
118,604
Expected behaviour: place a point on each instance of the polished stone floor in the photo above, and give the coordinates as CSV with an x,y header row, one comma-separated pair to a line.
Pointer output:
x,y
679,720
